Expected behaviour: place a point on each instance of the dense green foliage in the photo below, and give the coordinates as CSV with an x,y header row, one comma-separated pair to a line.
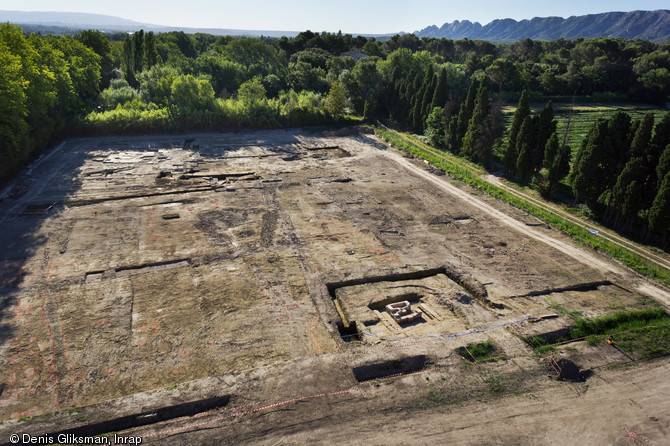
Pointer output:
x,y
532,145
468,174
619,172
451,90
44,81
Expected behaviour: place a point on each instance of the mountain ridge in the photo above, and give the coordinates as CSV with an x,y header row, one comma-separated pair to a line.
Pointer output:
x,y
647,25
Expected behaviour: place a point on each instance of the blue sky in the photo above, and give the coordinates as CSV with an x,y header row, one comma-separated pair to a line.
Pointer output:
x,y
359,16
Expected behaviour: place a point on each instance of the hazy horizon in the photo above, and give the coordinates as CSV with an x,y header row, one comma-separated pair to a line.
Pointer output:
x,y
380,17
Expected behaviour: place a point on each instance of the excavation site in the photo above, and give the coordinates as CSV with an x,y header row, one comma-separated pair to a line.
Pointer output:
x,y
303,286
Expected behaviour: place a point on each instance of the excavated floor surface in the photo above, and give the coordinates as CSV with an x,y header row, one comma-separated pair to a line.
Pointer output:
x,y
134,267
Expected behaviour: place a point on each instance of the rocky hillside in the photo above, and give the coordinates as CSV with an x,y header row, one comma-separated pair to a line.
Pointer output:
x,y
648,25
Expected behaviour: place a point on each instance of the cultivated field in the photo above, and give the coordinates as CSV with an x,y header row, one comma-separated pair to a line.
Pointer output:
x,y
231,288
583,117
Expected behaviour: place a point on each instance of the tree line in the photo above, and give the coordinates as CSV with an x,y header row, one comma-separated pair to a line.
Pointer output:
x,y
450,90
44,83
622,172
533,144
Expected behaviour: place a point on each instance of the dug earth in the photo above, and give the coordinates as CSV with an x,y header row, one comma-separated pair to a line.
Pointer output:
x,y
302,287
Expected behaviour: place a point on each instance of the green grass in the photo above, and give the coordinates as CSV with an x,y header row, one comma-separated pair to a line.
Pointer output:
x,y
644,334
456,160
621,320
494,383
542,346
28,419
480,352
573,314
465,173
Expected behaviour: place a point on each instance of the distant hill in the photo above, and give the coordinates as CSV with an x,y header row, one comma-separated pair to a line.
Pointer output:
x,y
68,22
65,19
648,25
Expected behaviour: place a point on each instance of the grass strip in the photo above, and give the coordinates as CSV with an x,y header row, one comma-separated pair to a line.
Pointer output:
x,y
643,333
465,174
480,352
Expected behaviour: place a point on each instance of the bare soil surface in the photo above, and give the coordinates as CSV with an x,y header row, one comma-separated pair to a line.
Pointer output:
x,y
659,259
231,288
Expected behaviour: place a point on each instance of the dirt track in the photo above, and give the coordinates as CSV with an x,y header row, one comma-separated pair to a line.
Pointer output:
x,y
237,266
580,254
627,244
603,413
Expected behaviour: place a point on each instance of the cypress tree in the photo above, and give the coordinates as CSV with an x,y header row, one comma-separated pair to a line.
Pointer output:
x,y
640,145
395,94
436,127
546,127
408,101
661,138
646,172
416,114
634,125
440,93
452,133
619,140
482,101
427,98
656,148
557,161
526,141
423,97
628,189
511,154
473,140
551,151
587,169
465,113
663,164
482,128
404,102
415,104
129,61
138,51
392,100
659,214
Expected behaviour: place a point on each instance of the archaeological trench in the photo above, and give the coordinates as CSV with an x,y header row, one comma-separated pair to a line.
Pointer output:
x,y
148,282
